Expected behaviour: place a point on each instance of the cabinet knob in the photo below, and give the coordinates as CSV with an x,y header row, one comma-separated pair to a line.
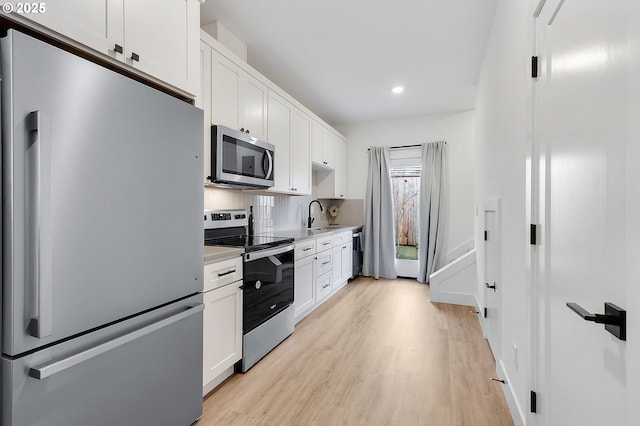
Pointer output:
x,y
242,129
118,49
246,131
135,57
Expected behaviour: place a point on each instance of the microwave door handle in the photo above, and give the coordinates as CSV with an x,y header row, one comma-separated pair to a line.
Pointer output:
x,y
268,154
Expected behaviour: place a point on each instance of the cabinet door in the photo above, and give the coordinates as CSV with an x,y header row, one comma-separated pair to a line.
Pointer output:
x,y
253,106
304,294
340,168
279,130
203,100
225,84
97,24
347,261
317,133
163,40
222,330
336,272
329,146
300,160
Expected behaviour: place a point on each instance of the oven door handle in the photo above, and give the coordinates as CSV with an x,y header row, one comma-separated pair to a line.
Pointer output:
x,y
248,257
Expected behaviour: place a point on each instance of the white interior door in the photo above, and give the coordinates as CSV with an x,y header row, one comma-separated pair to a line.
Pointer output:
x,y
587,137
492,286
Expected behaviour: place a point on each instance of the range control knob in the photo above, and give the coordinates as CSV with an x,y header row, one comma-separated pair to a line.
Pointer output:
x,y
258,284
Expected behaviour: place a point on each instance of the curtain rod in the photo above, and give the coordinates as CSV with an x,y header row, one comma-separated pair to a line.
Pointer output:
x,y
418,145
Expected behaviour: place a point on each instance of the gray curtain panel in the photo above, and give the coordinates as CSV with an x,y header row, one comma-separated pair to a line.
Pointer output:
x,y
379,240
433,206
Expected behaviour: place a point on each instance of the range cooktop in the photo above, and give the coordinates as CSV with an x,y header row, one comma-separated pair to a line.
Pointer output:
x,y
229,228
249,243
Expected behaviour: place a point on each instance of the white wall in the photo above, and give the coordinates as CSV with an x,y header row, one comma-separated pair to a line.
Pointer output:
x,y
503,123
458,129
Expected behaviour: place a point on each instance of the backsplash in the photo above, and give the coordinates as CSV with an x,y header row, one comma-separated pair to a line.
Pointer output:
x,y
280,212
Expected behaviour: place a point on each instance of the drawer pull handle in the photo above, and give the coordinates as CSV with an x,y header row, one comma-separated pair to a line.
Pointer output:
x,y
135,57
325,263
273,306
325,286
306,249
118,49
222,274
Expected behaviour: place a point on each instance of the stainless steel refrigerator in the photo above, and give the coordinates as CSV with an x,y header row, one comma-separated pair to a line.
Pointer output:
x,y
102,263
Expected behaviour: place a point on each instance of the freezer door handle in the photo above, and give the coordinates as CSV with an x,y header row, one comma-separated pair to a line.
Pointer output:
x,y
49,370
39,215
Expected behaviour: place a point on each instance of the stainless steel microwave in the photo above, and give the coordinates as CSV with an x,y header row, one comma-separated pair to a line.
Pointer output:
x,y
240,160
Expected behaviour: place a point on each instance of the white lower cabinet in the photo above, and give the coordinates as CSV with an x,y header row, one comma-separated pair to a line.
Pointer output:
x,y
322,266
342,258
222,326
304,291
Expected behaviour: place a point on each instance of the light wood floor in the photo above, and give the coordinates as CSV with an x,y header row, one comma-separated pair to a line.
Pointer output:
x,y
377,353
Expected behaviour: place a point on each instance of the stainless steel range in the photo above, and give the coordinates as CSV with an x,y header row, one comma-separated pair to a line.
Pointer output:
x,y
268,312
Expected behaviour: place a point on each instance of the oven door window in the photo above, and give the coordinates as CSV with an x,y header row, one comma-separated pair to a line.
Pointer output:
x,y
268,288
246,159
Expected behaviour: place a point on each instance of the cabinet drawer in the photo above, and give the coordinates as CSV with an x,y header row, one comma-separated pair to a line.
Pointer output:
x,y
323,263
323,286
305,248
342,238
324,243
222,273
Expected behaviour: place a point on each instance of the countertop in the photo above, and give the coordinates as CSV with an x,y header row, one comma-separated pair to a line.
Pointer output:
x,y
299,234
216,254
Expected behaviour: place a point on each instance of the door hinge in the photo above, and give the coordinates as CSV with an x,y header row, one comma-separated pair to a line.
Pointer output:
x,y
486,235
534,403
534,67
485,312
533,234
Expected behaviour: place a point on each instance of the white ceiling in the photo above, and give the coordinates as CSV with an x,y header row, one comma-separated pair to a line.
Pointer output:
x,y
341,58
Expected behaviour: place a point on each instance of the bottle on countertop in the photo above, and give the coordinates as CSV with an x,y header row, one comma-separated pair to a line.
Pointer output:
x,y
251,221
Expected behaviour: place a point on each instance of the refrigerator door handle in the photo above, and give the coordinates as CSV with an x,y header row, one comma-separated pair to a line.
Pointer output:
x,y
49,370
39,216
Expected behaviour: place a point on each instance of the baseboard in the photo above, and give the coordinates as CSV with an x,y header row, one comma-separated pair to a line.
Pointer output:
x,y
509,394
454,298
217,381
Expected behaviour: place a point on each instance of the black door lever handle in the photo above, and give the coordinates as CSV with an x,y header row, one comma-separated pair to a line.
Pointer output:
x,y
490,286
614,318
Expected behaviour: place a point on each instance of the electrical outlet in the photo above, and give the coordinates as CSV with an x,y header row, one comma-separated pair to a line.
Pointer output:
x,y
515,355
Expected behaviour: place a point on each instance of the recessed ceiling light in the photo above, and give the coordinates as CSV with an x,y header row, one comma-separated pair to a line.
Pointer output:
x,y
397,89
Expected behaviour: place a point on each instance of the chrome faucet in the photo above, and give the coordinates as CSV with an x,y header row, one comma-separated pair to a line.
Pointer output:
x,y
310,219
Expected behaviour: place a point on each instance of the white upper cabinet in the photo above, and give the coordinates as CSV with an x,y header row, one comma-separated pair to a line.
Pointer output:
x,y
161,41
238,100
97,24
317,134
253,106
323,141
340,170
279,125
300,152
225,91
289,129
